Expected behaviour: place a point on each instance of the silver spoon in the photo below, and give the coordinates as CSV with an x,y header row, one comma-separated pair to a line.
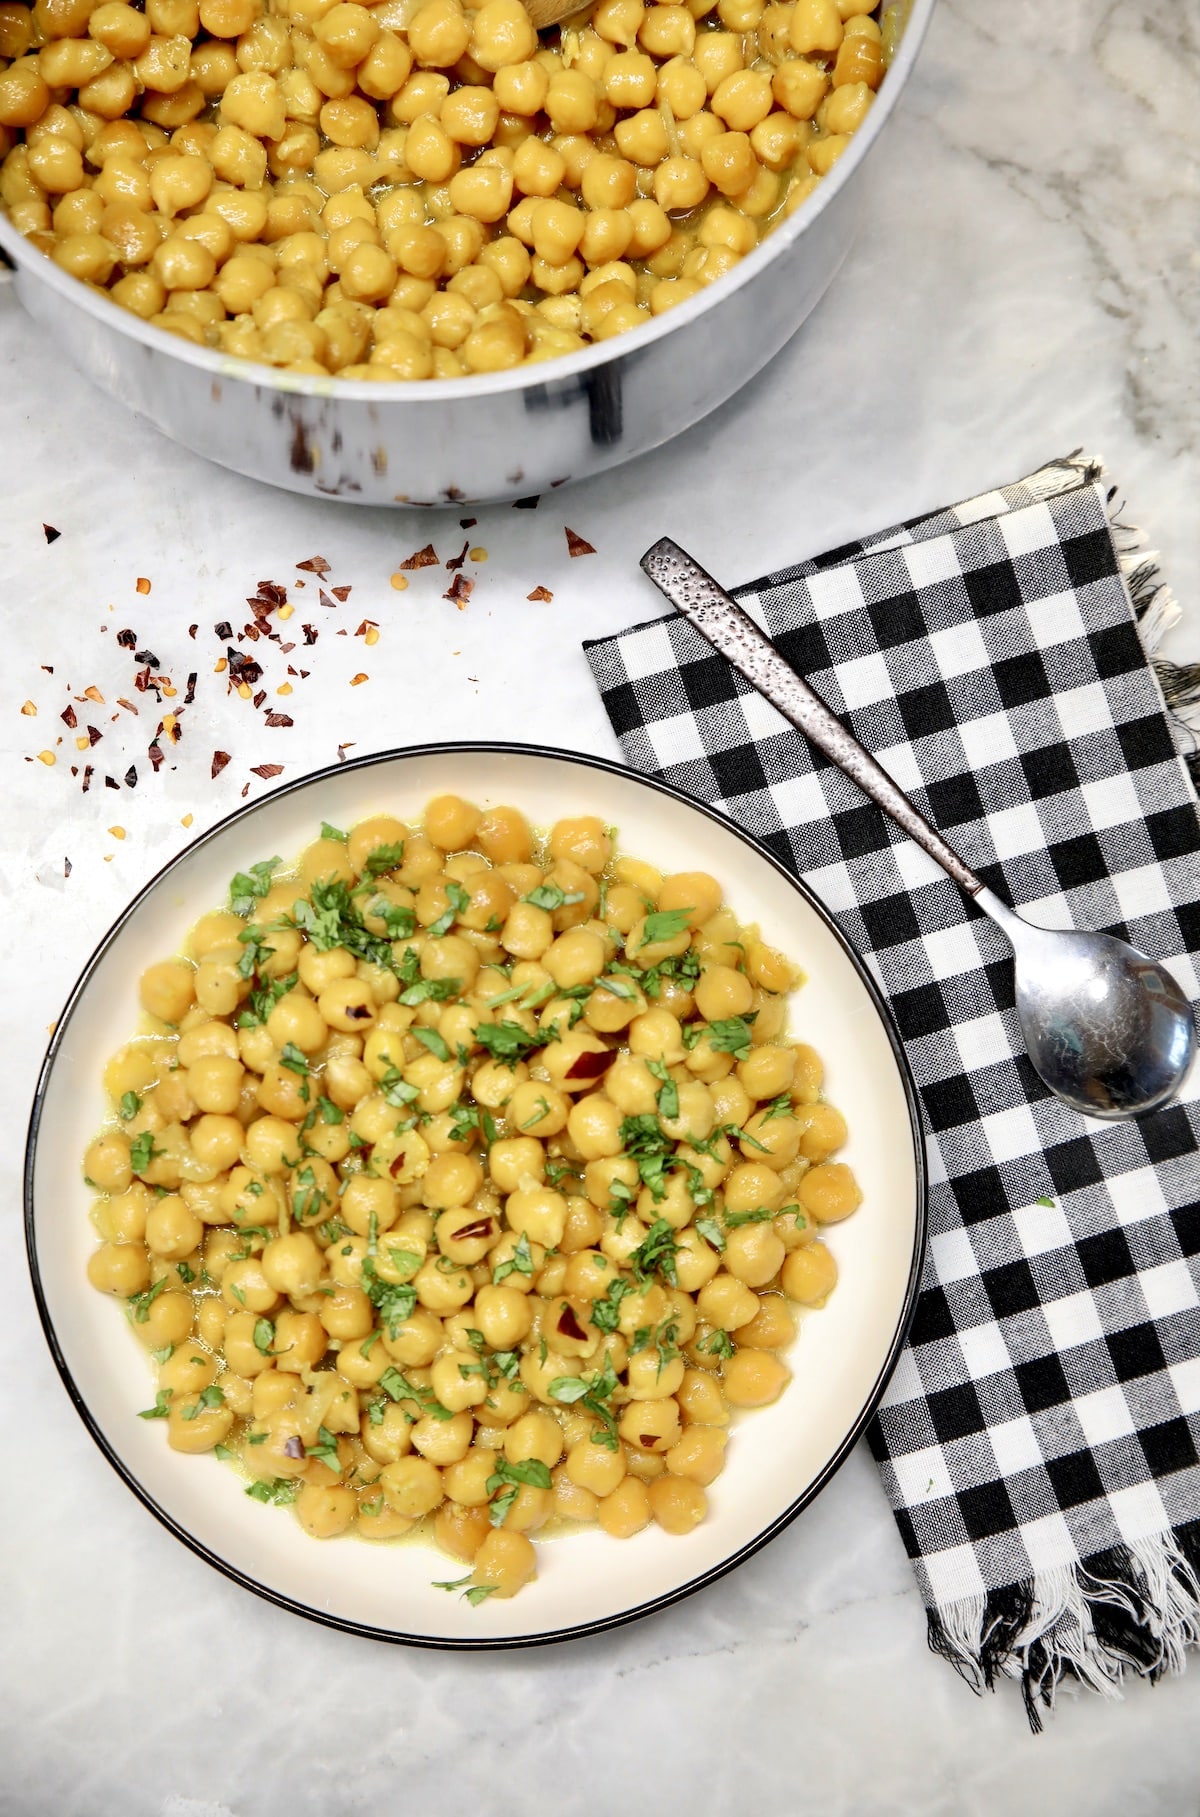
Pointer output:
x,y
1107,1028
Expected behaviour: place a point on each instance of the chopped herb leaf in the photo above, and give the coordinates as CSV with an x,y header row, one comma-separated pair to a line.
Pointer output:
x,y
508,1040
430,990
281,1491
717,1343
142,1151
734,1220
430,1038
712,1233
330,1112
264,1336
459,902
140,1303
779,1107
606,1312
520,1262
665,924
325,1449
731,1035
656,1253
294,1060
500,1507
550,897
250,887
668,1097
130,1105
161,1406
333,832
210,1397
541,1111
385,858
1047,1203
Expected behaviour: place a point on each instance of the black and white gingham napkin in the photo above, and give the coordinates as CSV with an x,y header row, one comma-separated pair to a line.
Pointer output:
x,y
1039,1440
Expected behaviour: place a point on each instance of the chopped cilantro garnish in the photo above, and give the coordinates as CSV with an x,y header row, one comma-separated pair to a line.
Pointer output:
x,y
430,1038
474,1594
731,1035
249,887
712,1233
294,1060
325,1448
161,1407
210,1397
520,1262
656,1253
396,1088
668,1097
664,924
550,897
430,990
130,1105
330,1112
508,1040
333,832
263,1000
385,858
264,1336
459,901
606,1312
594,1394
142,1151
140,1303
393,1301
735,1219
717,1343
281,1491
781,1106
541,1110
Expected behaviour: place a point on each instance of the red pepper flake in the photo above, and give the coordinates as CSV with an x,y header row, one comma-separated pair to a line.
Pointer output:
x,y
590,1065
243,668
356,681
266,770
577,545
250,631
68,716
542,595
127,704
325,599
87,778
316,564
111,783
141,680
67,865
304,674
143,585
131,778
127,639
190,696
568,1324
467,523
343,748
460,591
279,719
192,630
220,759
527,504
310,634
94,736
155,754
259,697
456,561
270,595
423,558
342,593
146,656
224,630
48,667
51,534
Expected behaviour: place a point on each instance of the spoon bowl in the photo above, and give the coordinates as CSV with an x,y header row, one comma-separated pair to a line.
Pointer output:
x,y
1107,1028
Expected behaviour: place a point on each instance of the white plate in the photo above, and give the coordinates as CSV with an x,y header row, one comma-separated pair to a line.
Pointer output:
x,y
778,1459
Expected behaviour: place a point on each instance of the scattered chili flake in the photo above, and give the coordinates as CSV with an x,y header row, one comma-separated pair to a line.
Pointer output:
x,y
310,634
68,867
542,594
590,1065
467,523
479,553
30,712
316,564
423,558
343,748
147,656
48,667
342,593
245,790
51,534
260,697
127,639
279,719
88,773
192,630
127,704
110,782
460,591
325,599
287,648
577,545
456,561
131,778
118,832
141,680
224,630
47,757
399,582
170,726
143,585
155,754
220,759
527,504
269,595
190,695
266,770
187,820
356,680
94,736
243,669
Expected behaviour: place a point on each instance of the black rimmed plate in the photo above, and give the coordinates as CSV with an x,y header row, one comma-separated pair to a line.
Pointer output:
x,y
778,1459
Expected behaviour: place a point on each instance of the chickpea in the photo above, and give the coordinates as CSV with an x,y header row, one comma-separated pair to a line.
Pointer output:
x,y
411,1486
505,1560
677,1503
626,1511
829,1192
754,1378
168,990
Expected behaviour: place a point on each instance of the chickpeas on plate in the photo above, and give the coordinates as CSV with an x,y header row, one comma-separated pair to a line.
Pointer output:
x,y
466,1181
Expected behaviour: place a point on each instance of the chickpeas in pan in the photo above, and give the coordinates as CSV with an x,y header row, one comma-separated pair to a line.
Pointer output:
x,y
465,1182
420,188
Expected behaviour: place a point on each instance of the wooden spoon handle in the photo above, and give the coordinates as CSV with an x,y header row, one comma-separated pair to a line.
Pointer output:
x,y
546,13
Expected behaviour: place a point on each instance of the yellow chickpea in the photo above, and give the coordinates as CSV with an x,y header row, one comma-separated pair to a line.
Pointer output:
x,y
677,1503
829,1192
506,1560
754,1378
626,1511
809,1274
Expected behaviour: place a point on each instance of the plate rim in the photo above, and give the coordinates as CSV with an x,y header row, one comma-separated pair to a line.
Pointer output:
x,y
653,1605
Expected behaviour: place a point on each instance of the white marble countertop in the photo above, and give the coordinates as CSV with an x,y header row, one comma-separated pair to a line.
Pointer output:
x,y
1027,281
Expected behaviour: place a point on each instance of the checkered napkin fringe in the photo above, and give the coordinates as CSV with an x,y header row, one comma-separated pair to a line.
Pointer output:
x,y
1039,1440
